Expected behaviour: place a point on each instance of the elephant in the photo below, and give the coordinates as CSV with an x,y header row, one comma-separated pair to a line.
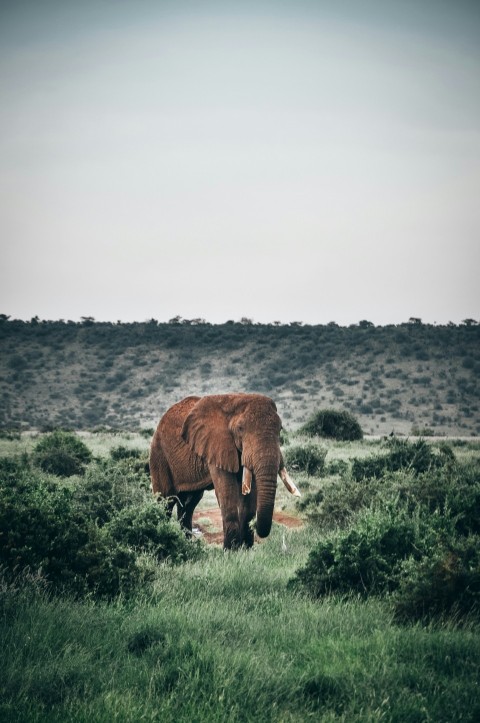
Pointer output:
x,y
226,442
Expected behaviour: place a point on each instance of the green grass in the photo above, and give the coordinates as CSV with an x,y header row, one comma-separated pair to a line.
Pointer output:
x,y
100,443
224,639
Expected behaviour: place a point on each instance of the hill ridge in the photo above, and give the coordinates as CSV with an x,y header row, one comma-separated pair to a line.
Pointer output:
x,y
404,377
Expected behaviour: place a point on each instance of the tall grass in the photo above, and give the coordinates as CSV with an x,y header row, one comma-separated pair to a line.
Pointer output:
x,y
225,639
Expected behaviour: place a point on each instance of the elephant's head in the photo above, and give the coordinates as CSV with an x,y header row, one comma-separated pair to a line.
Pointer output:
x,y
234,431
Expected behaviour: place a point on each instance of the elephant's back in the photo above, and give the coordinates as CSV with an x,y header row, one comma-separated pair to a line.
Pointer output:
x,y
181,459
174,417
169,431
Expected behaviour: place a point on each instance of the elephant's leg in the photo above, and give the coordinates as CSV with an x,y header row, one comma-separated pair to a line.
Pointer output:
x,y
187,501
247,511
227,490
232,535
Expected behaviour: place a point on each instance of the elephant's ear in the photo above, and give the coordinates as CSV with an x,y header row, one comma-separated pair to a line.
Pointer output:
x,y
206,431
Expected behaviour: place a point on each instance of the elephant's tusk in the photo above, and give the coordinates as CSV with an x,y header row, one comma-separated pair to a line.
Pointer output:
x,y
289,483
246,481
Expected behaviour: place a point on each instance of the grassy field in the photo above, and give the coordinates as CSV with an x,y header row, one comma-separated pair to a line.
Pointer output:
x,y
225,638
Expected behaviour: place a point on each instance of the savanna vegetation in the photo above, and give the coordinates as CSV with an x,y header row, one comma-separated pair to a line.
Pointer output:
x,y
410,378
368,612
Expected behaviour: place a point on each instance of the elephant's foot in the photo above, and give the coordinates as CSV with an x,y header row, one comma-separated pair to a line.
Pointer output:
x,y
236,537
232,538
248,538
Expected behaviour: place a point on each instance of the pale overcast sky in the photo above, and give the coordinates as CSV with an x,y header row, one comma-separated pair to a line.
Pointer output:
x,y
289,160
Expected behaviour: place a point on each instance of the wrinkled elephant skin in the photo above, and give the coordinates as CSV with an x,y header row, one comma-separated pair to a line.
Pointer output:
x,y
228,442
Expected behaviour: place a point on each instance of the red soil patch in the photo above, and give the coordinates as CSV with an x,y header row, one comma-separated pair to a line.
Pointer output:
x,y
209,523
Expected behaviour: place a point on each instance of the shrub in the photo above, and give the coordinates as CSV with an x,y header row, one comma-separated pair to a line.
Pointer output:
x,y
445,582
364,558
337,502
452,490
109,486
413,535
43,530
61,453
309,458
417,456
147,528
87,540
10,434
422,431
333,424
122,452
338,466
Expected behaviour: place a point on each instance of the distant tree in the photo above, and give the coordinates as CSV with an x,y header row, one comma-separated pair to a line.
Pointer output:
x,y
87,320
175,320
246,320
470,322
415,320
364,324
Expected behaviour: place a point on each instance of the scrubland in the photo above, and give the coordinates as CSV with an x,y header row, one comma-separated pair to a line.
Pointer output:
x,y
407,378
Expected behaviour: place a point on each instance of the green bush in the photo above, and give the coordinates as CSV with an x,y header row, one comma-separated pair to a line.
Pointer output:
x,y
365,558
418,457
446,582
337,502
309,458
61,453
337,466
44,530
450,490
10,434
333,424
90,539
147,528
122,452
109,487
412,534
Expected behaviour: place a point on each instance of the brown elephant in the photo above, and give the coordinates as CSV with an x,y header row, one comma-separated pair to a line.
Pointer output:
x,y
226,442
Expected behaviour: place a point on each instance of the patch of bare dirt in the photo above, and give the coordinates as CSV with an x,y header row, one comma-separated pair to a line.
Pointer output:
x,y
209,524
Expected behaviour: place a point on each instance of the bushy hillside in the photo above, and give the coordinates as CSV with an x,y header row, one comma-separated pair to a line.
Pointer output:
x,y
407,377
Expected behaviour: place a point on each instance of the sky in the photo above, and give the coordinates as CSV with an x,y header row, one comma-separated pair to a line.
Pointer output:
x,y
291,160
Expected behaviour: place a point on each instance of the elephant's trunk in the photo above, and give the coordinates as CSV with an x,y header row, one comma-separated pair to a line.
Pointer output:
x,y
266,488
265,463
